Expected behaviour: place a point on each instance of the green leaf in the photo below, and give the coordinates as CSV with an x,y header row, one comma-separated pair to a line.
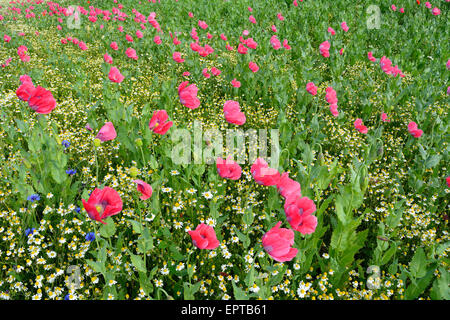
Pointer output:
x,y
242,237
239,294
138,263
107,230
388,254
432,161
137,227
418,264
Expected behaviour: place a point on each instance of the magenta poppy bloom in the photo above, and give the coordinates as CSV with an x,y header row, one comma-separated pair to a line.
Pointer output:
x,y
235,83
252,44
215,71
157,40
144,188
324,49
6,38
334,109
204,237
344,26
205,73
448,181
25,90
311,88
278,243
331,30
286,45
159,124
360,126
253,66
275,42
228,169
107,58
188,95
202,24
102,204
41,100
242,49
129,38
384,117
263,174
131,53
115,75
107,132
371,57
331,95
288,187
177,57
114,45
413,130
252,19
299,212
233,113
436,11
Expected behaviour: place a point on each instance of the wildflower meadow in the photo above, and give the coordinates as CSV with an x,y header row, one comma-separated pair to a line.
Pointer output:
x,y
224,150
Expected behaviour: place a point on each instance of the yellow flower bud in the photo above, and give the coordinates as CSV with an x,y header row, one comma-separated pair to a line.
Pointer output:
x,y
97,142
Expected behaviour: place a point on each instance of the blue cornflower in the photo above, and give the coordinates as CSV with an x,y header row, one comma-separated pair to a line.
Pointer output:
x,y
65,143
71,172
78,209
34,197
90,236
67,297
29,231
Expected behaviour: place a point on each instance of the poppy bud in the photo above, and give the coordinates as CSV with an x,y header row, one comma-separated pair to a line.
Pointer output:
x,y
134,172
138,142
97,142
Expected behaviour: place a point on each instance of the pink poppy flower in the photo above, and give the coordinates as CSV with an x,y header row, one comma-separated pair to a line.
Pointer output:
x,y
324,49
277,242
129,38
286,45
114,45
186,74
288,187
263,174
131,53
448,181
331,30
371,57
295,3
341,51
223,37
139,34
280,16
6,38
276,44
115,75
215,71
102,204
245,33
157,40
331,96
191,15
436,11
176,41
242,49
274,28
334,109
402,10
177,57
428,5
144,188
25,90
107,132
235,83
202,24
205,73
384,117
253,66
252,19
188,95
252,44
233,113
204,237
41,100
344,26
107,58
159,124
360,126
448,64
413,130
228,169
299,212
311,88
394,8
